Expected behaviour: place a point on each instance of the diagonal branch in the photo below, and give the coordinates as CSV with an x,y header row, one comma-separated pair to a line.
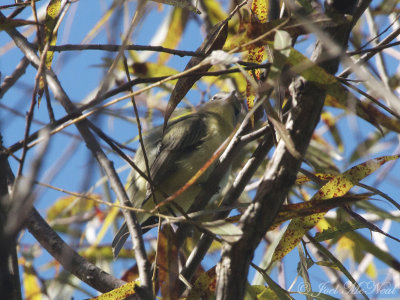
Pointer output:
x,y
279,175
68,258
94,147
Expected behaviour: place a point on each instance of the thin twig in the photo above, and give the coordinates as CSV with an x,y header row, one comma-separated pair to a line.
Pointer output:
x,y
116,48
374,49
93,145
368,96
9,81
68,258
346,72
123,88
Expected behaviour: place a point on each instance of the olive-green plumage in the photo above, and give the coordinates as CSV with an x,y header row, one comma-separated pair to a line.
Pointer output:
x,y
174,157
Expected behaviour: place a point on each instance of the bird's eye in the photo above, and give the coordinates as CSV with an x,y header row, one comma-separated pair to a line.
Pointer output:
x,y
216,97
220,96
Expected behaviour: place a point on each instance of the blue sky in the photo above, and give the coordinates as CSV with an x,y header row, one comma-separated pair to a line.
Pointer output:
x,y
80,73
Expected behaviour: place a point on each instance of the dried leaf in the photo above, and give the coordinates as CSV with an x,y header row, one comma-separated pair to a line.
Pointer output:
x,y
167,263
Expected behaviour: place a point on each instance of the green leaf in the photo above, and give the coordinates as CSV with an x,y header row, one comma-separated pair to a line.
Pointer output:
x,y
228,231
337,231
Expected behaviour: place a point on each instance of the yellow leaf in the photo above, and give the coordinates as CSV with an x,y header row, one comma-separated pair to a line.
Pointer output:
x,y
146,70
214,11
371,271
70,206
345,245
256,53
338,186
120,293
303,179
218,81
322,225
50,36
260,8
204,286
176,27
31,283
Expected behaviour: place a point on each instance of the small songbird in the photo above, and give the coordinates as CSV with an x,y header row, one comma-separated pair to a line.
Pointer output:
x,y
176,154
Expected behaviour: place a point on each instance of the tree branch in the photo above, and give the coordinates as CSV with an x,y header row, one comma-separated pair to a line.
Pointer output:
x,y
68,258
279,175
123,88
9,273
93,145
116,48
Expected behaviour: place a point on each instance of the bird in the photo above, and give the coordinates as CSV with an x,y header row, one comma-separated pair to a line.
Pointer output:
x,y
176,153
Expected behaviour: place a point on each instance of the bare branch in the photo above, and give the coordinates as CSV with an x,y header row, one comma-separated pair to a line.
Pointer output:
x,y
9,272
116,48
278,177
9,81
93,145
68,258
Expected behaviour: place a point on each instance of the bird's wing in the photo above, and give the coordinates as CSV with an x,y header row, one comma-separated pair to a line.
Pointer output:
x,y
180,138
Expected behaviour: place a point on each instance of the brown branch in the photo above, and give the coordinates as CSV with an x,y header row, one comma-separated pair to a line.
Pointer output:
x,y
241,180
374,49
93,145
346,72
9,81
238,142
279,175
10,286
123,88
68,258
116,48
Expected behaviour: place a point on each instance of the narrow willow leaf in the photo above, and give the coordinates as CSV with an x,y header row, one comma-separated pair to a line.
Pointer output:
x,y
338,231
336,187
227,231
